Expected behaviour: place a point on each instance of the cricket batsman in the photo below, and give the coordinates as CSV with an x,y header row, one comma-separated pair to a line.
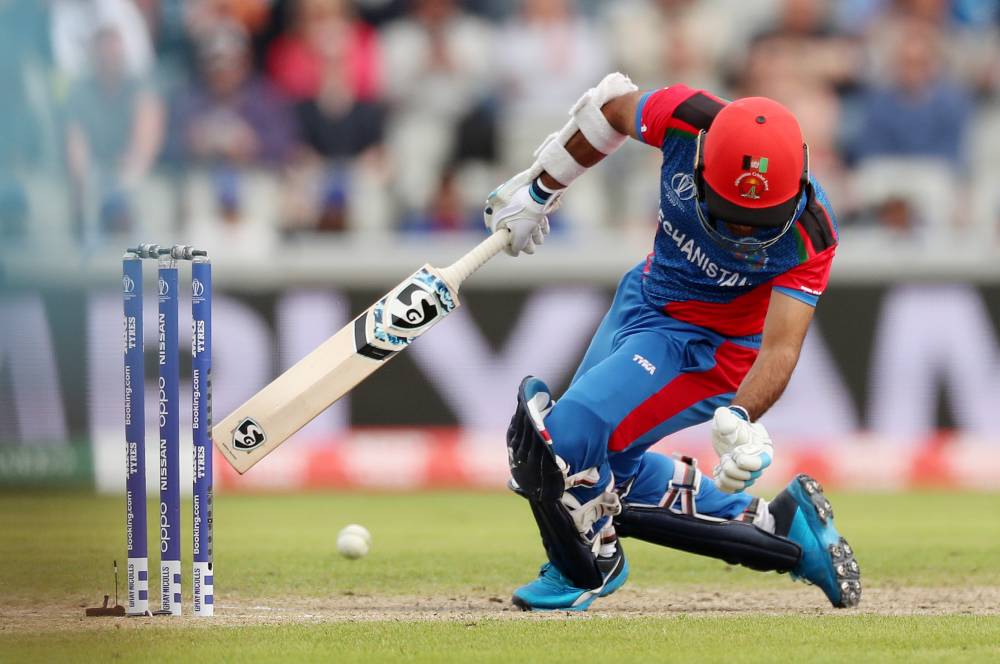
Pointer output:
x,y
707,328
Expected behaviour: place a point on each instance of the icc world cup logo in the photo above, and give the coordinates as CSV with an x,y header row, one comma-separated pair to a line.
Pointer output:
x,y
128,285
164,288
197,288
683,186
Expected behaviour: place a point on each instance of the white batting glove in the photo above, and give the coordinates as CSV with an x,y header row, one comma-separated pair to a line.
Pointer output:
x,y
744,449
511,206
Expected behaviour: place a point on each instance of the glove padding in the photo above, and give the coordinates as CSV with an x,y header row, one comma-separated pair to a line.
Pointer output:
x,y
744,450
511,206
537,472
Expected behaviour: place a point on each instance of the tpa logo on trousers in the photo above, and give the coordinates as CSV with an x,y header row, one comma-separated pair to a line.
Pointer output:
x,y
644,363
248,435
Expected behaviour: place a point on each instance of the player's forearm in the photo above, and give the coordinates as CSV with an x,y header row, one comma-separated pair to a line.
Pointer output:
x,y
620,115
582,151
766,380
594,130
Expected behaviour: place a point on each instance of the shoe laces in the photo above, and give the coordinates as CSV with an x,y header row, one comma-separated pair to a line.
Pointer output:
x,y
550,574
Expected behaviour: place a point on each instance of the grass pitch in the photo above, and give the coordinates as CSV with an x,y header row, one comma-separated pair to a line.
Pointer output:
x,y
437,582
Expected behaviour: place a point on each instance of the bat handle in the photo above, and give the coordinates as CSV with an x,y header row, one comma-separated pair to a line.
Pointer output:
x,y
460,270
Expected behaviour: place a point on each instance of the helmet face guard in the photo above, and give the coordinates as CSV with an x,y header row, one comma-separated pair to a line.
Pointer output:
x,y
714,212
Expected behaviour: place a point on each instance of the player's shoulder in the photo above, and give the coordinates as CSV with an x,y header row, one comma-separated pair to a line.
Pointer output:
x,y
675,112
816,228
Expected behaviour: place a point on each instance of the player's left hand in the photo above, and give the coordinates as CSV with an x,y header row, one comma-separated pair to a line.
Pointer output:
x,y
744,449
511,206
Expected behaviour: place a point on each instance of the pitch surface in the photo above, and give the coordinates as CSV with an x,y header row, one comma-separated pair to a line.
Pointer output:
x,y
437,583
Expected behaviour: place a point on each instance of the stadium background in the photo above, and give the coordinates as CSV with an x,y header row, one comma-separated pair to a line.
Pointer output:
x,y
321,150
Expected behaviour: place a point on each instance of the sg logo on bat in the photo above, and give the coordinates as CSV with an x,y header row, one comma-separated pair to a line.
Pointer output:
x,y
411,309
248,435
404,314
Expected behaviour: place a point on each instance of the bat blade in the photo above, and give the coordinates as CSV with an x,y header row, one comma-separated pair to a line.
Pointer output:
x,y
340,363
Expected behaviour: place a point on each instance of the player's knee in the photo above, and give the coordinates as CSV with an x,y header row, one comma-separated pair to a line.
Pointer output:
x,y
655,467
579,432
651,478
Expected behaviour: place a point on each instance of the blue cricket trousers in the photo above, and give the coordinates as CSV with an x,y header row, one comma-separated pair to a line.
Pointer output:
x,y
645,376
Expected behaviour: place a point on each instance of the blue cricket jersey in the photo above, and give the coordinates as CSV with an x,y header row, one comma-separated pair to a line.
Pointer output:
x,y
688,275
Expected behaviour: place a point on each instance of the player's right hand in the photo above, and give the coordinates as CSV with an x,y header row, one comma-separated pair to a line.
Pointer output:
x,y
745,449
511,206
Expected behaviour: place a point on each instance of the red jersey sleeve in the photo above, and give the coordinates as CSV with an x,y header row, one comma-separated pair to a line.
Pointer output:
x,y
810,277
815,234
676,107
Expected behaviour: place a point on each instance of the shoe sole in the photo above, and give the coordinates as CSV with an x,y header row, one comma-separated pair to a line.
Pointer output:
x,y
524,606
845,565
520,603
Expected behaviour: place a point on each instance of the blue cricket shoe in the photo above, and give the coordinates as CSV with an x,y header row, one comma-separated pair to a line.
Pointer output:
x,y
552,591
804,515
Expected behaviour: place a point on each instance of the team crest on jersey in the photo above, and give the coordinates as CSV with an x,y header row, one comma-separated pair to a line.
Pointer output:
x,y
755,260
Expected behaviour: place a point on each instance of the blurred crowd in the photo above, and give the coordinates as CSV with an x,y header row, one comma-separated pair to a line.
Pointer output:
x,y
255,122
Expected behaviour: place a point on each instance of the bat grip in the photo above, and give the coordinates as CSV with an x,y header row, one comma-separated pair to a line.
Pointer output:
x,y
460,270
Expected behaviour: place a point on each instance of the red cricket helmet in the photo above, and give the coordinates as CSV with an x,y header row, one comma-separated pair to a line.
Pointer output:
x,y
751,169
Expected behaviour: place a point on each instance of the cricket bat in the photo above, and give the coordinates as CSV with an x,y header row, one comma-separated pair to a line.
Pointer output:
x,y
294,398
